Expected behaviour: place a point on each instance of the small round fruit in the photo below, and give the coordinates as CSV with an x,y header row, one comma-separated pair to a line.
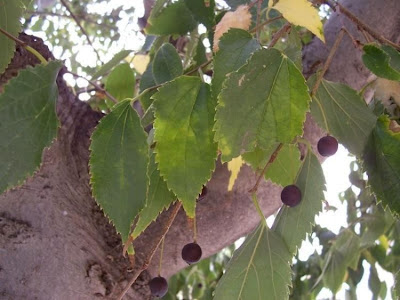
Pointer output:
x,y
291,195
327,146
158,286
191,253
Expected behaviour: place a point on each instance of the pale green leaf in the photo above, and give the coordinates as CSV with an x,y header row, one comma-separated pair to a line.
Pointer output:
x,y
158,198
382,61
104,69
235,48
344,253
293,223
285,167
382,163
121,82
28,122
185,149
265,101
10,14
118,166
175,18
302,13
343,113
167,64
259,269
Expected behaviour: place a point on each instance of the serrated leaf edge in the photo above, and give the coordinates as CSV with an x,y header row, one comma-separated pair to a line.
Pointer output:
x,y
211,171
110,221
29,175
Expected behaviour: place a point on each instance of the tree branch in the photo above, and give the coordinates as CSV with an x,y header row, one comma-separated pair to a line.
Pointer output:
x,y
80,26
361,24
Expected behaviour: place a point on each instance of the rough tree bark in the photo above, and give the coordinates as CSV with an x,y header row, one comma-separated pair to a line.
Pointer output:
x,y
55,242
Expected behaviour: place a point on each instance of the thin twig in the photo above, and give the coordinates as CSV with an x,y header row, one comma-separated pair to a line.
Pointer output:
x,y
146,263
361,24
356,42
328,61
258,19
25,45
85,19
270,161
98,88
265,23
81,27
279,34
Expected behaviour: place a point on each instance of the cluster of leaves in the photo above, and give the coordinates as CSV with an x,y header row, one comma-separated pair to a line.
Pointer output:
x,y
253,107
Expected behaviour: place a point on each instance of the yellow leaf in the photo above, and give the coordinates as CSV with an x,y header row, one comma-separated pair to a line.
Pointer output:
x,y
234,166
140,61
302,13
240,18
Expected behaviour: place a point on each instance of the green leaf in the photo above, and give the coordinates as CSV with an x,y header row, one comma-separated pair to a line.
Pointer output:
x,y
258,158
118,166
201,12
382,61
147,81
121,82
158,198
259,269
344,253
374,283
294,47
382,163
284,169
175,18
199,56
10,15
185,149
28,122
293,223
266,100
397,284
104,69
167,64
343,113
235,48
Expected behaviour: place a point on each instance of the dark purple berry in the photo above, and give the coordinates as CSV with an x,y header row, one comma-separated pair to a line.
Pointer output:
x,y
327,146
158,286
191,253
203,193
291,195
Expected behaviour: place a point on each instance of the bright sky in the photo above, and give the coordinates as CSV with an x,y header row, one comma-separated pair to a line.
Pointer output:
x,y
336,168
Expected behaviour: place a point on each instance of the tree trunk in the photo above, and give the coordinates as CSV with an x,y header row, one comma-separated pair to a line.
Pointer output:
x,y
55,242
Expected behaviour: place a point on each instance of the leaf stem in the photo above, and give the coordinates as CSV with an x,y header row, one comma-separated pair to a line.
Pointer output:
x,y
265,23
258,208
270,161
328,61
147,261
360,23
98,87
161,256
23,44
285,28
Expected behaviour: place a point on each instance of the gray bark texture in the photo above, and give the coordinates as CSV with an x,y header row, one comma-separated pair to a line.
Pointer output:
x,y
55,242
